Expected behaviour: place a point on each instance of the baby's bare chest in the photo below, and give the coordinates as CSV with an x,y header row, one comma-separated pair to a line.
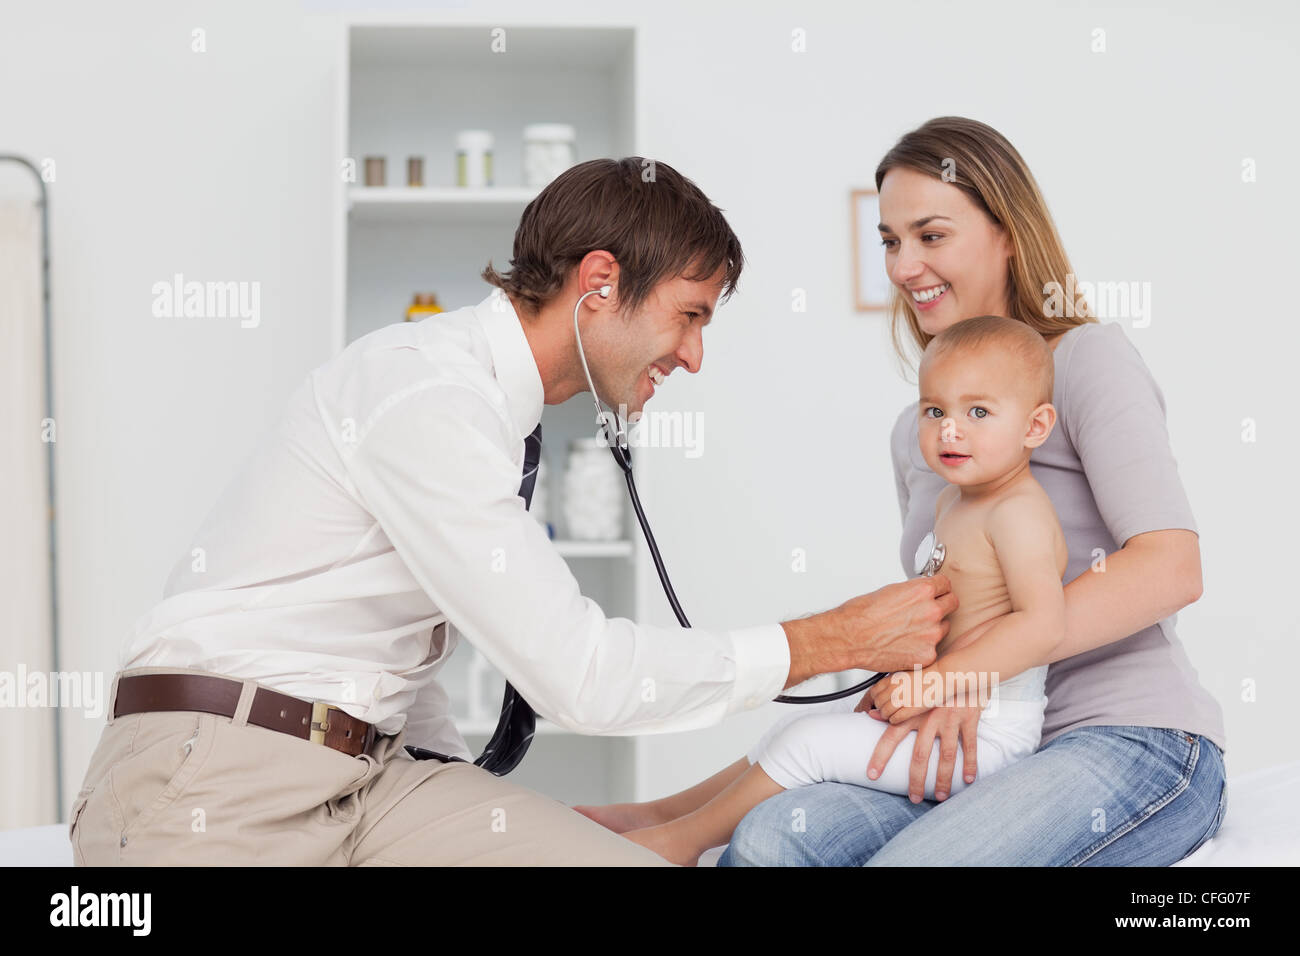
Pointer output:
x,y
971,566
968,552
970,559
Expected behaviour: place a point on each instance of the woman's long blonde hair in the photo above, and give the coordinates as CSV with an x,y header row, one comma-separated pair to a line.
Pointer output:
x,y
979,161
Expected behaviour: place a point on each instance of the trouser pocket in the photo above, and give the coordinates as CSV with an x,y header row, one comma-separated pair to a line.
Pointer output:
x,y
150,761
166,759
74,817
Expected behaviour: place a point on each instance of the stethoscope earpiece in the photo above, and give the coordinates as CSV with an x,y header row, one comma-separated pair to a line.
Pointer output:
x,y
615,434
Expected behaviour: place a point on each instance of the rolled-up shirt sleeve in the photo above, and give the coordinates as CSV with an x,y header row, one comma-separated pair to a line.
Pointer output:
x,y
439,468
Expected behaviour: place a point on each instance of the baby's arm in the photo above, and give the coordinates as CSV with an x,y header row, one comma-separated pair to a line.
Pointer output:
x,y
1025,533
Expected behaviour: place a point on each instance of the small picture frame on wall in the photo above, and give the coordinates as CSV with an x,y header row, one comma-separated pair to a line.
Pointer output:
x,y
870,280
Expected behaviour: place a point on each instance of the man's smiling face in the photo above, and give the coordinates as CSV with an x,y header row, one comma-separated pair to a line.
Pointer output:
x,y
630,355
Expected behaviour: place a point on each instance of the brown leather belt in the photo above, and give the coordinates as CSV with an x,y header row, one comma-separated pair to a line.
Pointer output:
x,y
307,720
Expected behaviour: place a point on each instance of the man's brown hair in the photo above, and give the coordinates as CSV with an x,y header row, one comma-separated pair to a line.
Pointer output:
x,y
655,222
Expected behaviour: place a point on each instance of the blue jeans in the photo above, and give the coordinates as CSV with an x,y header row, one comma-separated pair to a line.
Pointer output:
x,y
1094,796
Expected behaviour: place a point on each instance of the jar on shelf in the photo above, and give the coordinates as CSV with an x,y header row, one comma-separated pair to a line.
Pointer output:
x,y
593,492
375,175
415,171
548,151
424,305
474,158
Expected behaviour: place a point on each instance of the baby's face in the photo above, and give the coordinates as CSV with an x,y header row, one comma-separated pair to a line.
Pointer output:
x,y
974,417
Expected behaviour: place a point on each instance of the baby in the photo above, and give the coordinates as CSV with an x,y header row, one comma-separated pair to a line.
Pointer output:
x,y
986,390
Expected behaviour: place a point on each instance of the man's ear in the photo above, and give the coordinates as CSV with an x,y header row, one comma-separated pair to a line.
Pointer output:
x,y
1041,422
598,268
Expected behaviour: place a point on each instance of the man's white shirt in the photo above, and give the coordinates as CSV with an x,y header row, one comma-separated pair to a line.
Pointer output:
x,y
386,503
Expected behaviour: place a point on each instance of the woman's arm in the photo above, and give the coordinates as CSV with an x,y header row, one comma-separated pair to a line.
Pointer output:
x,y
1114,416
1152,576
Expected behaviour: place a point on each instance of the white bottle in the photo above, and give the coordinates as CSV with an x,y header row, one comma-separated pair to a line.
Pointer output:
x,y
593,492
474,158
548,151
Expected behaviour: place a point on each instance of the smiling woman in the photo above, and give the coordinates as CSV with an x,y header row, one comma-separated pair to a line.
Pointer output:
x,y
1129,769
967,232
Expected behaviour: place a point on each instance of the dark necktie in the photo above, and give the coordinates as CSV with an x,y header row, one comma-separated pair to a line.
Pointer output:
x,y
515,728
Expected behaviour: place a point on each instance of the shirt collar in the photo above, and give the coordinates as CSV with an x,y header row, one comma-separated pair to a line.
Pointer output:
x,y
512,360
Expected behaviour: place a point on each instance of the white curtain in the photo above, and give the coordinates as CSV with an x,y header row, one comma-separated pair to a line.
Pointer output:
x,y
27,759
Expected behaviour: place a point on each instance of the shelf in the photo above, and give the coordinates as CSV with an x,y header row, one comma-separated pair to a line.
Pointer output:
x,y
528,49
594,549
481,204
408,89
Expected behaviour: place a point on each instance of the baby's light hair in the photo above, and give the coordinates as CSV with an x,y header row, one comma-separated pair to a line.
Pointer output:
x,y
1009,335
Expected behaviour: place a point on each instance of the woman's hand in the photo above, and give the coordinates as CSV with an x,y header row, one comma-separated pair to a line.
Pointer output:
x,y
950,723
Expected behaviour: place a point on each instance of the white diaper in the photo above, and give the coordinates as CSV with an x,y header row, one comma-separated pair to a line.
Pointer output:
x,y
829,742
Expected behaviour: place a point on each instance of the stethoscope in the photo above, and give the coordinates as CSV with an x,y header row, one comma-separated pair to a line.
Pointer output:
x,y
929,556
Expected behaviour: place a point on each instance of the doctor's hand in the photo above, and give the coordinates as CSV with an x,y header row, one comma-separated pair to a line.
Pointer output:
x,y
890,629
899,625
949,723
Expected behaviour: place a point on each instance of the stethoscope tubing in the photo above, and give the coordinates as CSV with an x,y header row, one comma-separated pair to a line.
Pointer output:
x,y
623,456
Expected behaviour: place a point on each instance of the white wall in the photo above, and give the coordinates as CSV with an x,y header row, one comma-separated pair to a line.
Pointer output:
x,y
220,166
214,166
1138,152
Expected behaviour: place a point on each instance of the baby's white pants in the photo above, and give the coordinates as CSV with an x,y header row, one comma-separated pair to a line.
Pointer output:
x,y
828,742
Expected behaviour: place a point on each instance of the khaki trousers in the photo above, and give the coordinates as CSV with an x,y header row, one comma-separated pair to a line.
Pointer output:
x,y
189,788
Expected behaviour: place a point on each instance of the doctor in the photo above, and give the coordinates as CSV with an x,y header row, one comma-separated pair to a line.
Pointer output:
x,y
262,709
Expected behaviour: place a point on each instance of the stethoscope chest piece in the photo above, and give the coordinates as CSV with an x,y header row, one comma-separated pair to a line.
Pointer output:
x,y
929,555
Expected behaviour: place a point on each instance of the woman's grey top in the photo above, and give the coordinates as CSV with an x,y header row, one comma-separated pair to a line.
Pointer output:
x,y
1109,470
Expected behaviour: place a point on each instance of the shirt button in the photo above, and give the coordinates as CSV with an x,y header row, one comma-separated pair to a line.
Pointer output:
x,y
751,702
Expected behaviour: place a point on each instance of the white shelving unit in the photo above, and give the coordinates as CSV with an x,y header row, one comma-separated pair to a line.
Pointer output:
x,y
405,90
429,205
